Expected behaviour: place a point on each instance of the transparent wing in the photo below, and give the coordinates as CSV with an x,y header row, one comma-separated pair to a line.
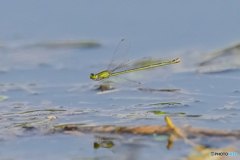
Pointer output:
x,y
129,80
119,55
127,65
115,81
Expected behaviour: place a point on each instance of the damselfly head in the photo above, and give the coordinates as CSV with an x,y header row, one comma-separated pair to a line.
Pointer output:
x,y
93,76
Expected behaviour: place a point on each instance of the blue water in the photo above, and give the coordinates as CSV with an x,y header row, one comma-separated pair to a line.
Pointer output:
x,y
38,78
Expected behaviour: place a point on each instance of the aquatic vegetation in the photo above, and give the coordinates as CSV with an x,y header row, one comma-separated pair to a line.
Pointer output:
x,y
102,142
52,117
2,98
166,103
158,90
157,112
42,112
69,44
224,59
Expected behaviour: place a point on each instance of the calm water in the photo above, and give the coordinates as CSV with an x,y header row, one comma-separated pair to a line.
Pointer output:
x,y
34,76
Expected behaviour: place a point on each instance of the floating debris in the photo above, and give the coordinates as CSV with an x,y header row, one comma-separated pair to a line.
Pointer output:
x,y
157,112
196,115
166,103
70,126
221,60
173,114
106,87
103,143
169,132
52,117
69,44
49,110
158,90
220,52
31,124
150,129
42,112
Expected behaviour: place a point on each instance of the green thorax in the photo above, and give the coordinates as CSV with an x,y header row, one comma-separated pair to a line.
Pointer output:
x,y
104,74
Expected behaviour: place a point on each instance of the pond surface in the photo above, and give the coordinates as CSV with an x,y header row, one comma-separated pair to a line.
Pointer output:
x,y
48,50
